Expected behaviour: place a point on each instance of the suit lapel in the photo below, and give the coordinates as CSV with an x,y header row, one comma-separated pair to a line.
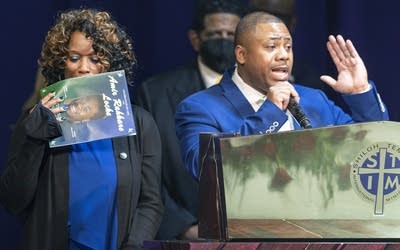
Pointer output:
x,y
235,96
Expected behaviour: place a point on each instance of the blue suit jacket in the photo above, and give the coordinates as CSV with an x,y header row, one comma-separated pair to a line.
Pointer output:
x,y
224,109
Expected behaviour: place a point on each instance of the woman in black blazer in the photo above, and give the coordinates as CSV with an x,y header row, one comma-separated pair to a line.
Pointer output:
x,y
102,194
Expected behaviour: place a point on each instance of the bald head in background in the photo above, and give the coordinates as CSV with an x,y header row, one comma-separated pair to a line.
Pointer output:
x,y
284,9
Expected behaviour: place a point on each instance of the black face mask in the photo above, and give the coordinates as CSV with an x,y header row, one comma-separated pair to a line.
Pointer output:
x,y
217,54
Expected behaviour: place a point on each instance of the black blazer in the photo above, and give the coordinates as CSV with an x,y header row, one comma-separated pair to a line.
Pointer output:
x,y
160,95
35,183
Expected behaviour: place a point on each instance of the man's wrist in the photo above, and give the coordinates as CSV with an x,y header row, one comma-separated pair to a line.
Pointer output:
x,y
365,89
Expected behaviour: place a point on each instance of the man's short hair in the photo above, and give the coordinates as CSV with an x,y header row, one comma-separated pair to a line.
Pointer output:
x,y
250,21
284,9
101,112
207,7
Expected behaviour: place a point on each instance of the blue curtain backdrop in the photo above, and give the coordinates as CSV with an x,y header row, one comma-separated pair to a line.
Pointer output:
x,y
159,32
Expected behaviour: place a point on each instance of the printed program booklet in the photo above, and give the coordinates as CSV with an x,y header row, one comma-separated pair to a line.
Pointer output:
x,y
97,107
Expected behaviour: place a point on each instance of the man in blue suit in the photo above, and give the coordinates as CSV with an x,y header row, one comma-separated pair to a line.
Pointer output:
x,y
252,98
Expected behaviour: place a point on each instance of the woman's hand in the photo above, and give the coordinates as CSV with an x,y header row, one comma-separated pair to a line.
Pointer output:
x,y
50,102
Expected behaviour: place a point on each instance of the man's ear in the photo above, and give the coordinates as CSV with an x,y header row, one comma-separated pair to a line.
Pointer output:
x,y
240,54
194,40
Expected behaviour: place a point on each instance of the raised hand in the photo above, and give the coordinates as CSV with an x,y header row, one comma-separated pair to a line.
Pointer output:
x,y
352,74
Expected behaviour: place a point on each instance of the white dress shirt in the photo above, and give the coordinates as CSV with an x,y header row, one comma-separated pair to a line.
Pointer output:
x,y
209,76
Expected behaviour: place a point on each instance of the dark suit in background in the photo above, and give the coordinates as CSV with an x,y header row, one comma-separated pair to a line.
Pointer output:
x,y
160,95
211,37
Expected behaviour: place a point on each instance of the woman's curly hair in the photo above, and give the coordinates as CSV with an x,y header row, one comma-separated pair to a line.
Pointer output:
x,y
111,43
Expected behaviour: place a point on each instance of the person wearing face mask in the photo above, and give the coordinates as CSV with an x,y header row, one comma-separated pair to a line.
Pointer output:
x,y
216,54
211,36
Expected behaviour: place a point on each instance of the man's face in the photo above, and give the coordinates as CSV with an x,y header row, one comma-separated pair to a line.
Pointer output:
x,y
266,56
215,41
83,109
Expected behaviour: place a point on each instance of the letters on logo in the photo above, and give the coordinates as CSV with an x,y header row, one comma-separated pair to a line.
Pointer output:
x,y
375,173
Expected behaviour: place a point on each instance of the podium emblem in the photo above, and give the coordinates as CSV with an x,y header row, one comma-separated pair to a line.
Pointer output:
x,y
375,174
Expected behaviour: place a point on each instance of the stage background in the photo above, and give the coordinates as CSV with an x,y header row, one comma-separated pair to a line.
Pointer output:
x,y
159,30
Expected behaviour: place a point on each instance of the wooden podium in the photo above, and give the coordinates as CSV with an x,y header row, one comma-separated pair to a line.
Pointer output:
x,y
332,184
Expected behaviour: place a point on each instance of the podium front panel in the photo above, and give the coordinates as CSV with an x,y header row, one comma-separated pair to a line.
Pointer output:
x,y
335,182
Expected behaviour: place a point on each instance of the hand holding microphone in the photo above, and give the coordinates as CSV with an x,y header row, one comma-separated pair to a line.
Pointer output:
x,y
285,97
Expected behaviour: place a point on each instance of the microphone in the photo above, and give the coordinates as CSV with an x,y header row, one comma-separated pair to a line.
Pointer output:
x,y
298,114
